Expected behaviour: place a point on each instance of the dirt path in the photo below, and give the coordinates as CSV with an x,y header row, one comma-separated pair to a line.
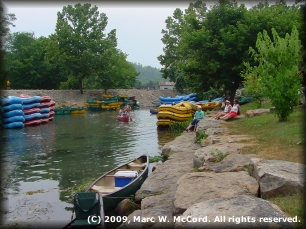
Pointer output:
x,y
74,98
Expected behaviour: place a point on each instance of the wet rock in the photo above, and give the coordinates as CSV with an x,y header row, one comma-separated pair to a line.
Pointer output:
x,y
197,187
277,177
126,207
239,211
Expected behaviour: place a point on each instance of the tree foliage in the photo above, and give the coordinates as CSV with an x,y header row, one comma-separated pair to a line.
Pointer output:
x,y
90,54
6,20
27,64
210,46
277,69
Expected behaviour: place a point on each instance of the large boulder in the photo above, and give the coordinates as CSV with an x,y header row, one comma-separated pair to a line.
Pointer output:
x,y
197,187
209,153
176,145
277,177
232,163
257,112
165,175
239,211
126,207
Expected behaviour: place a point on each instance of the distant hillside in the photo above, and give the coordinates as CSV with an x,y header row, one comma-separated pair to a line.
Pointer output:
x,y
148,73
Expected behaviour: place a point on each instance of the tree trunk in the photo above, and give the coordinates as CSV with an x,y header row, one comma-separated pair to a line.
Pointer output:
x,y
81,86
233,91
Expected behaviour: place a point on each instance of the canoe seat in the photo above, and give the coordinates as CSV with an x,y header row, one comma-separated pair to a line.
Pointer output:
x,y
104,189
137,165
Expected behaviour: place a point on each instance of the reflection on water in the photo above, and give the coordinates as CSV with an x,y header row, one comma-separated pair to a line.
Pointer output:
x,y
70,150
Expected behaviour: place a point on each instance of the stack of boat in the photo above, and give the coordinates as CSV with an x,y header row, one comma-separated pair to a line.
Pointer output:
x,y
69,110
180,112
179,98
37,109
108,101
17,112
11,112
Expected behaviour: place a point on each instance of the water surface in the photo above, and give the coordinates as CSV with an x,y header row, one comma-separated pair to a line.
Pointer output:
x,y
40,161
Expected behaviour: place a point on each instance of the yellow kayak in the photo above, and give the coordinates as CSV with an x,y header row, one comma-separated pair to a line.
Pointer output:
x,y
174,116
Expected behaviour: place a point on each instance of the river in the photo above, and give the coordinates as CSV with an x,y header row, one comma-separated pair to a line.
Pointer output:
x,y
38,162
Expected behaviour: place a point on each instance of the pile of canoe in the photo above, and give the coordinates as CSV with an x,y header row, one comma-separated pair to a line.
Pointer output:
x,y
180,112
177,99
69,110
109,102
17,112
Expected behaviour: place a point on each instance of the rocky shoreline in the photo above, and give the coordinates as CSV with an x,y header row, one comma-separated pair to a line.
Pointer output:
x,y
191,190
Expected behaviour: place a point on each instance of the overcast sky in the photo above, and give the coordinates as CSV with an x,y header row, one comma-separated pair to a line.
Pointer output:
x,y
138,23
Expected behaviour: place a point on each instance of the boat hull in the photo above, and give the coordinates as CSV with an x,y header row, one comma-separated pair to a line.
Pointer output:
x,y
124,118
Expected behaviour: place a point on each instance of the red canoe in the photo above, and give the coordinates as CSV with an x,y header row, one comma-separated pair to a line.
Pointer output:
x,y
124,118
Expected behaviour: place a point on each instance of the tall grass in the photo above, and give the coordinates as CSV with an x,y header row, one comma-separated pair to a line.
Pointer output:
x,y
177,128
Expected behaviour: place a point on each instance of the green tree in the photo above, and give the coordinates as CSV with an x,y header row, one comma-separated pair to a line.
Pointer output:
x,y
180,84
79,33
27,63
6,20
210,47
278,62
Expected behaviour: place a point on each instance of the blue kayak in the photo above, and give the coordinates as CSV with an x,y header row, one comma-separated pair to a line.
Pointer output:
x,y
12,113
10,100
13,119
32,116
12,107
13,125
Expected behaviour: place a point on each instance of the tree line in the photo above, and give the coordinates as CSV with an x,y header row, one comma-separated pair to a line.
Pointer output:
x,y
78,55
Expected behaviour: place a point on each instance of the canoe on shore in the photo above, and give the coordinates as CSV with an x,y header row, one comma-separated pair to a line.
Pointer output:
x,y
121,182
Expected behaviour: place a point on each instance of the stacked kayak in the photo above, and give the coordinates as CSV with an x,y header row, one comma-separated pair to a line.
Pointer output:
x,y
180,112
110,102
37,109
177,99
11,112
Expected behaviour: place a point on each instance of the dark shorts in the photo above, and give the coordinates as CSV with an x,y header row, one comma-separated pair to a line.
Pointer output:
x,y
195,122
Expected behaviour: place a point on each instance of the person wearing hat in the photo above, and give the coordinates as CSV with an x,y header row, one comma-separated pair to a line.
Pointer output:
x,y
198,115
234,111
227,109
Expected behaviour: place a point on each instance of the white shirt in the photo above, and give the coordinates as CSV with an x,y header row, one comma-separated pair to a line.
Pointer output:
x,y
235,108
226,108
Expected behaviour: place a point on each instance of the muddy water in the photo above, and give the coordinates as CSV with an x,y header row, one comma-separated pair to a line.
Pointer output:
x,y
38,162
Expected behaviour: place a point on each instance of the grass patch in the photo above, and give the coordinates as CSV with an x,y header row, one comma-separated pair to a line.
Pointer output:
x,y
292,206
34,192
201,136
156,159
274,140
177,128
218,156
69,192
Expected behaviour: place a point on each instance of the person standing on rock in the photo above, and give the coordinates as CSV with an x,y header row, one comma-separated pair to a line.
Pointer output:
x,y
198,115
